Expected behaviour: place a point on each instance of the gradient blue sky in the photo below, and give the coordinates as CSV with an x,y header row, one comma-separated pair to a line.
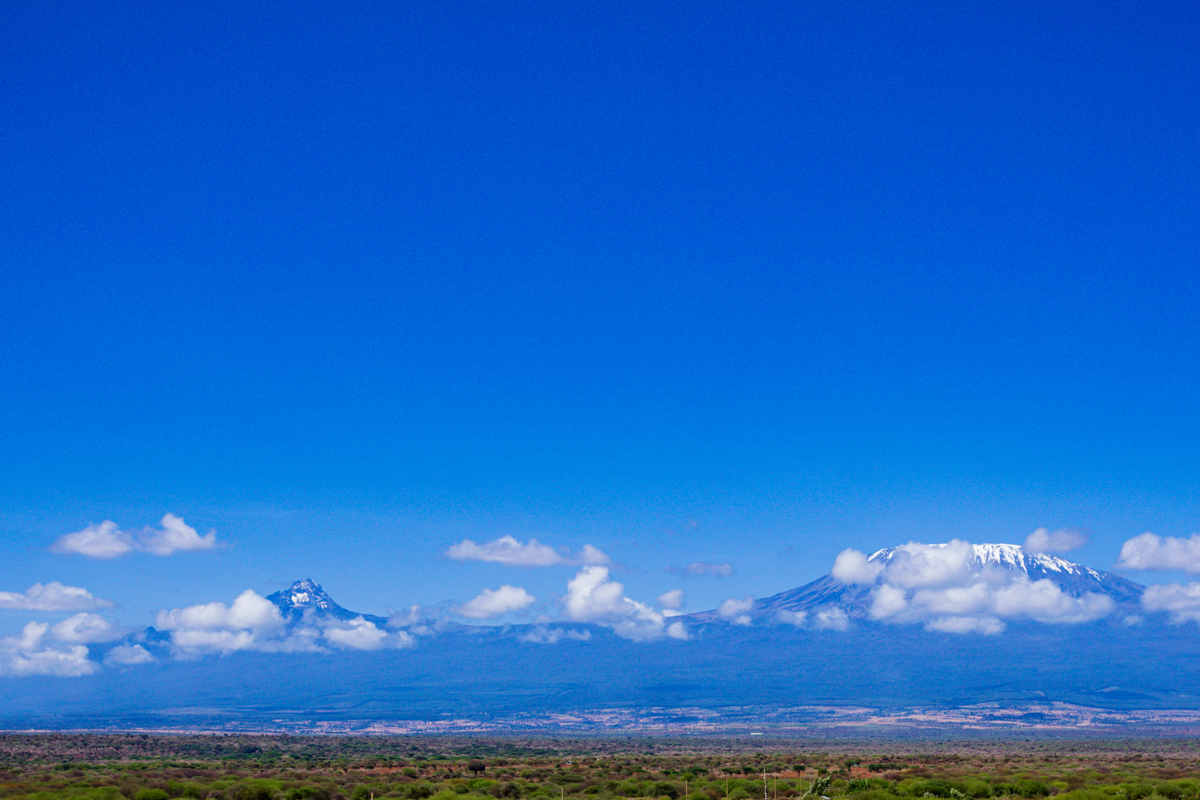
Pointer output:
x,y
743,283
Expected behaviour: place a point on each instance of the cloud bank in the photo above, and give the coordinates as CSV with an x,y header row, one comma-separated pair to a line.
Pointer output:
x,y
52,596
254,623
106,540
934,585
35,652
511,552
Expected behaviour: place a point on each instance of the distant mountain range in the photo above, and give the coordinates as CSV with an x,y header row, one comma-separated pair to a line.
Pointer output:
x,y
828,643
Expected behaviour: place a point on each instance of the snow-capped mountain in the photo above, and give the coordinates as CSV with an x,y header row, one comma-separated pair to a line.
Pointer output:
x,y
944,576
307,597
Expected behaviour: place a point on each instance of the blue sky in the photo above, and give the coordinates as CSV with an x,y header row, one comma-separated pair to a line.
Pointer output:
x,y
730,283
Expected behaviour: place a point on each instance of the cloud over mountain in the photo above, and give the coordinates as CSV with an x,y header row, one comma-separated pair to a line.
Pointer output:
x,y
958,587
1043,540
510,551
592,597
106,540
35,653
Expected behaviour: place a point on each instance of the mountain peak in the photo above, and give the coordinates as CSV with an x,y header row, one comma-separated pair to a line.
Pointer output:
x,y
307,596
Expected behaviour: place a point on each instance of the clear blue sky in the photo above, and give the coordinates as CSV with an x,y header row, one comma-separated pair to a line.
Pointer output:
x,y
742,283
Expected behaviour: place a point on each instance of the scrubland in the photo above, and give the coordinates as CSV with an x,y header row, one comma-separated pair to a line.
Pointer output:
x,y
216,767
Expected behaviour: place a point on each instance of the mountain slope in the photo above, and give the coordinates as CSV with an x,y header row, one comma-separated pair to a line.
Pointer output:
x,y
307,597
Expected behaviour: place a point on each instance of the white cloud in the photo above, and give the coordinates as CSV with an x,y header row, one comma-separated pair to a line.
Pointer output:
x,y
492,603
831,618
253,622
1043,540
936,585
797,618
592,597
511,552
672,600
86,628
96,541
737,611
175,536
1181,601
52,596
249,610
106,541
361,634
32,655
851,566
676,630
128,655
543,634
917,565
1149,551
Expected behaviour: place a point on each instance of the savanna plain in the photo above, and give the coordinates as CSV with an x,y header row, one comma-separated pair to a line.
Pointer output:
x,y
36,766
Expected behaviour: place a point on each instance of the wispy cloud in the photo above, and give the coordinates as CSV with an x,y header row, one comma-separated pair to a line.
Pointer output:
x,y
543,634
106,540
493,603
510,551
52,596
1043,540
699,569
1149,551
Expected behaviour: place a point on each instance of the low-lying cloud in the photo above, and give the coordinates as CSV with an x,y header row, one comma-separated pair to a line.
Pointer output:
x,y
52,596
592,597
736,611
509,551
106,540
1151,552
254,623
1181,601
35,652
934,585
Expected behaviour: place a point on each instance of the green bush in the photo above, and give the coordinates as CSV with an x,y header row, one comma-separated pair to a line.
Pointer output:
x,y
151,794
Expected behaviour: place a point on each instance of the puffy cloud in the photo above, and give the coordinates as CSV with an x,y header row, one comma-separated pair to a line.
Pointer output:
x,y
1181,601
362,634
52,596
592,597
1149,551
831,618
492,603
86,628
703,568
916,565
249,610
851,566
543,634
106,541
941,587
31,654
737,611
254,623
511,552
671,602
1043,540
127,655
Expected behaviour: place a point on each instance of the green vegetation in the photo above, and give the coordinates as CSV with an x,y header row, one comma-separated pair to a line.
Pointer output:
x,y
115,767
